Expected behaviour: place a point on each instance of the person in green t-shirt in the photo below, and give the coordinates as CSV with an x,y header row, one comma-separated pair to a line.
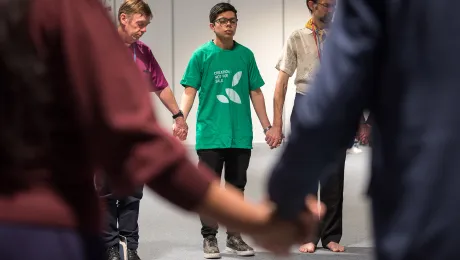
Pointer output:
x,y
226,76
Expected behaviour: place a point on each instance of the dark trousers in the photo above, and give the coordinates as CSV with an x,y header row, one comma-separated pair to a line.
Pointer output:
x,y
236,163
331,194
122,217
20,242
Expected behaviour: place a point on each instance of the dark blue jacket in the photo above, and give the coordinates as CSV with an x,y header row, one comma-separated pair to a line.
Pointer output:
x,y
401,60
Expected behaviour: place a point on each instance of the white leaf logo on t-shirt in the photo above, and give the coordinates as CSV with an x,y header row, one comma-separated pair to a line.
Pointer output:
x,y
233,96
222,98
236,78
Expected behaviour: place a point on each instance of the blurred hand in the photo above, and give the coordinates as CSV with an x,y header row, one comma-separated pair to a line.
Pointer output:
x,y
364,133
278,236
180,128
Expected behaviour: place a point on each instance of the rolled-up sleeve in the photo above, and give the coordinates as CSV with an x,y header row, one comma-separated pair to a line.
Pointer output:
x,y
287,61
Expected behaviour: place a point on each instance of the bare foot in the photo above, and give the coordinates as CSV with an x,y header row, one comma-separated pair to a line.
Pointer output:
x,y
335,247
307,248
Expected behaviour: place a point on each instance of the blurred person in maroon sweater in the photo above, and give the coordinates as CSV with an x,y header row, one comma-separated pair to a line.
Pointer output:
x,y
71,102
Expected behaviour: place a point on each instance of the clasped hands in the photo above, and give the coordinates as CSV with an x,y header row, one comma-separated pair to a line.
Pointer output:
x,y
180,128
364,133
274,137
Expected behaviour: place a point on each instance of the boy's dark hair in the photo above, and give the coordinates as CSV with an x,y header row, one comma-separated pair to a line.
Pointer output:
x,y
218,9
314,1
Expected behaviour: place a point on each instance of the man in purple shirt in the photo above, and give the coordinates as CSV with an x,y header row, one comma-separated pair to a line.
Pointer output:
x,y
133,17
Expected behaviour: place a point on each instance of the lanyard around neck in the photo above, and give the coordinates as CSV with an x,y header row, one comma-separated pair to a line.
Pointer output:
x,y
317,42
134,52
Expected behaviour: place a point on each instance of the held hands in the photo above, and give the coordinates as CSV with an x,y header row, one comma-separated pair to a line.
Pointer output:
x,y
364,133
274,137
278,236
180,128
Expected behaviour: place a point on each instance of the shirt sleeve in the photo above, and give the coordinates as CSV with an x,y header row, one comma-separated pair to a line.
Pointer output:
x,y
192,74
288,58
255,79
325,120
115,109
159,81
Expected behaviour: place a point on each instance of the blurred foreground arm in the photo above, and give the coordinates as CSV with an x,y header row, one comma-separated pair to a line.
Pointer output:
x,y
115,104
124,138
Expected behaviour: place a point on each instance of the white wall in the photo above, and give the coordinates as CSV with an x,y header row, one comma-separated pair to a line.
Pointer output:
x,y
180,26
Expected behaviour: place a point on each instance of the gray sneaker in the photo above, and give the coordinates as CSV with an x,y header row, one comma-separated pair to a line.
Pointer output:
x,y
236,245
210,248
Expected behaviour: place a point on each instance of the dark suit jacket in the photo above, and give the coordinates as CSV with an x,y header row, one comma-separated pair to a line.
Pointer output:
x,y
401,60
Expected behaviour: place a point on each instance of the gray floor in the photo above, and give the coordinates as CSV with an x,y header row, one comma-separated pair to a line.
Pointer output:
x,y
171,234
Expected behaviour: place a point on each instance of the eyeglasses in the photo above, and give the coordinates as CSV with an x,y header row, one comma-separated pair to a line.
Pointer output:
x,y
223,21
328,6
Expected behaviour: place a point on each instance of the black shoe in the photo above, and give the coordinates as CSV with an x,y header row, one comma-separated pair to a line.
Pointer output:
x,y
113,253
132,255
210,248
236,245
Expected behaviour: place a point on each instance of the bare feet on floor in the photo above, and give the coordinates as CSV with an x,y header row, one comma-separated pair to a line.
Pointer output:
x,y
307,248
335,247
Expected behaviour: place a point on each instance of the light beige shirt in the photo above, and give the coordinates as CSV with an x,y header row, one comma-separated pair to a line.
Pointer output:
x,y
300,53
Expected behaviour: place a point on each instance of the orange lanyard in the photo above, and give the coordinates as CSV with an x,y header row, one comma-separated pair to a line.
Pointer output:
x,y
317,43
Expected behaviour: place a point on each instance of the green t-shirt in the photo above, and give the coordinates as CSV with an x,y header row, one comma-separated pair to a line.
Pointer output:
x,y
224,79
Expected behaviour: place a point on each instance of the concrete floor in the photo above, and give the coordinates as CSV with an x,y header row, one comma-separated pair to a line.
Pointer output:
x,y
170,234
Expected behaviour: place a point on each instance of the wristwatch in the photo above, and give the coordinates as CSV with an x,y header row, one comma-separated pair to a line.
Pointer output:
x,y
179,114
266,129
